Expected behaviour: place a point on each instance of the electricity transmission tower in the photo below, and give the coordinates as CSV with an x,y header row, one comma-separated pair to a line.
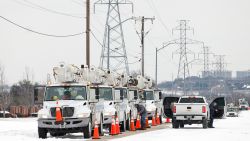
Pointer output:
x,y
219,65
113,55
206,61
183,51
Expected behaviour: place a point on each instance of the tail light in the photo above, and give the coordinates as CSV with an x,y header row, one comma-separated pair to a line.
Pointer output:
x,y
204,110
174,109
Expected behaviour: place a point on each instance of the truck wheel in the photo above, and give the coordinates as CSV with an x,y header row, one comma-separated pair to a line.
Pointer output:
x,y
87,131
175,124
204,123
128,122
181,124
42,133
101,127
123,125
160,119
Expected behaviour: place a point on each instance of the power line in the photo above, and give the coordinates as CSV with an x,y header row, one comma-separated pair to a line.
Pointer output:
x,y
112,50
40,33
153,7
39,7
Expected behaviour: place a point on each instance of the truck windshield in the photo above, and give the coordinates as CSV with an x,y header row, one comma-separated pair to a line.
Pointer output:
x,y
133,94
192,100
65,93
149,95
105,93
122,92
231,110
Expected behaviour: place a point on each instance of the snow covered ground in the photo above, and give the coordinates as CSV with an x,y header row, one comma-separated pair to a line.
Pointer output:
x,y
229,129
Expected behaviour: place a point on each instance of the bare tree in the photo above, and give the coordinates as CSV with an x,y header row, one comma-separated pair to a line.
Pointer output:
x,y
2,88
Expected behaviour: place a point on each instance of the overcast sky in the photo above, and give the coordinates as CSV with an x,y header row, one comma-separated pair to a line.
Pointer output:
x,y
224,26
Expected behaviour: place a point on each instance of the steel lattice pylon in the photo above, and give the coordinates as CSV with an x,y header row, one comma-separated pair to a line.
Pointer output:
x,y
114,56
183,67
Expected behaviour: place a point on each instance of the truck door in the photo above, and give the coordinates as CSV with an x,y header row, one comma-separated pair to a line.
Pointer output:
x,y
220,107
167,104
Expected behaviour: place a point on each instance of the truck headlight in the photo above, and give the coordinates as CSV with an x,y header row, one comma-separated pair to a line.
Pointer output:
x,y
42,116
82,115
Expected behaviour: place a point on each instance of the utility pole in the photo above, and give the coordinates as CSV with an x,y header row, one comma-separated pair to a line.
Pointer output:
x,y
88,32
142,35
114,55
156,58
142,45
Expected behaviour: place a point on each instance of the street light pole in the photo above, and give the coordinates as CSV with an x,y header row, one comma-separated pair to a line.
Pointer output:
x,y
156,59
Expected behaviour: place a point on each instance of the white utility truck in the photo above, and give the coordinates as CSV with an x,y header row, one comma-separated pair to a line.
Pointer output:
x,y
191,110
82,102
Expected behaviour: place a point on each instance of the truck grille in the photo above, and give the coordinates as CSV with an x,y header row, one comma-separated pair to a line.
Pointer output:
x,y
66,111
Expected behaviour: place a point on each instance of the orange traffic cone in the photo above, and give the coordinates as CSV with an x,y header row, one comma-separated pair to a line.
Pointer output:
x,y
157,119
113,127
138,122
96,132
153,121
147,125
132,124
167,120
58,113
117,125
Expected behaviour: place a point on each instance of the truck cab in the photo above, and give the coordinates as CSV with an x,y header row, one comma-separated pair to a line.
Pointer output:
x,y
147,100
122,106
133,98
73,101
158,103
105,96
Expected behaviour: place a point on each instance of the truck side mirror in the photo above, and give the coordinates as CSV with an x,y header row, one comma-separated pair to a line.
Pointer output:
x,y
35,95
135,96
38,94
160,95
122,96
97,96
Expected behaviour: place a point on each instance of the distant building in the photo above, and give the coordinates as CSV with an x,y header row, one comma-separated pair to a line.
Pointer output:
x,y
221,74
242,74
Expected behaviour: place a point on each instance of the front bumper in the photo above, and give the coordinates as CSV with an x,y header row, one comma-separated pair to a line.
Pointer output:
x,y
67,123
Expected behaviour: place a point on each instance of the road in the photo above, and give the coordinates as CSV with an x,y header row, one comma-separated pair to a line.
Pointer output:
x,y
229,129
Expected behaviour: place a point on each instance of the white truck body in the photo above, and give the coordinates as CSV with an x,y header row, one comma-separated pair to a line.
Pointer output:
x,y
158,103
190,110
196,112
79,114
97,107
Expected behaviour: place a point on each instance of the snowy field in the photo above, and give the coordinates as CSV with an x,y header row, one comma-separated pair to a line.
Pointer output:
x,y
229,129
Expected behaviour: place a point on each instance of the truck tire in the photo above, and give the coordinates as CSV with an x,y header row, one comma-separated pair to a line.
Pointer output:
x,y
175,124
160,119
181,124
42,133
204,123
101,127
123,125
87,131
